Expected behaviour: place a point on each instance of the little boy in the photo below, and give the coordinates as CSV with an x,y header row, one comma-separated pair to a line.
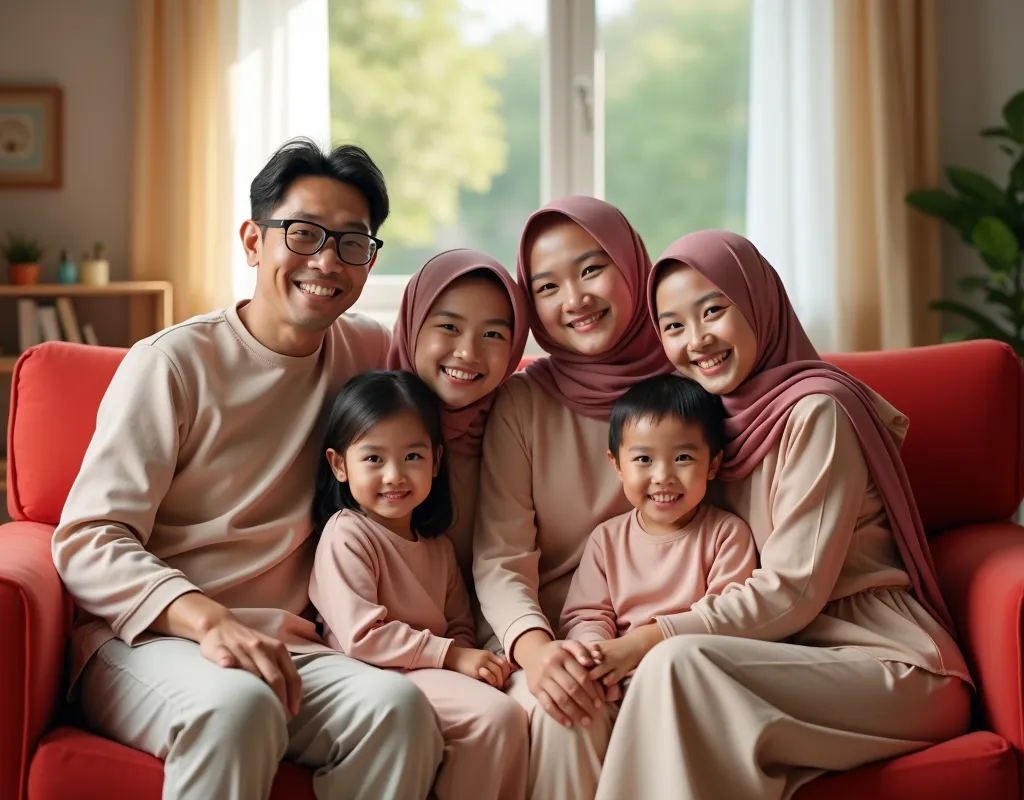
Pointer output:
x,y
665,443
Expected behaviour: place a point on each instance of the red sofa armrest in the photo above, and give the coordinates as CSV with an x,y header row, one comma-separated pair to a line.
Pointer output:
x,y
35,617
981,573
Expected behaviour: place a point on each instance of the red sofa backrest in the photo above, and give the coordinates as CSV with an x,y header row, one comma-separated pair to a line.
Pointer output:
x,y
964,451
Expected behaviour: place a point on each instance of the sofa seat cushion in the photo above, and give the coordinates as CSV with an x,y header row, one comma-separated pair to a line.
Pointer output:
x,y
979,764
71,762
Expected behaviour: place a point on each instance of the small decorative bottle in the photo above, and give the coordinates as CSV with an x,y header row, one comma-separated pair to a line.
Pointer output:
x,y
67,270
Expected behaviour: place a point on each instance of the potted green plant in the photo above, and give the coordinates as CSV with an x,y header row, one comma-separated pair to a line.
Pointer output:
x,y
989,218
22,254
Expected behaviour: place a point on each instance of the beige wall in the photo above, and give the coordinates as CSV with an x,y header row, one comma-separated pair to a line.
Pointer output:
x,y
86,47
982,53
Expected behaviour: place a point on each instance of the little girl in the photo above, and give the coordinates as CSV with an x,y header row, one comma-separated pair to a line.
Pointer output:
x,y
387,586
642,568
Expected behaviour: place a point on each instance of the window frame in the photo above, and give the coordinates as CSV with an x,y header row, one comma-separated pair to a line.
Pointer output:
x,y
572,126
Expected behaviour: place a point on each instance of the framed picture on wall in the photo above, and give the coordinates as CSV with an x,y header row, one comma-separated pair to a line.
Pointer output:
x,y
31,137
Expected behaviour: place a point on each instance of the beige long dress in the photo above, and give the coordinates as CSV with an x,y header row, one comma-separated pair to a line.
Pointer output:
x,y
545,484
822,660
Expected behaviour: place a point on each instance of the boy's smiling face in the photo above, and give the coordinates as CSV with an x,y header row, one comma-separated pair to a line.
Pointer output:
x,y
664,466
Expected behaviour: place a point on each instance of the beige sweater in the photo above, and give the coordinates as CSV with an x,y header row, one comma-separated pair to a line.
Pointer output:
x,y
200,476
386,600
465,477
629,578
830,574
545,484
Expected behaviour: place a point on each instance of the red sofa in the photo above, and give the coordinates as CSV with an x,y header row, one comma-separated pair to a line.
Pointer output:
x,y
964,454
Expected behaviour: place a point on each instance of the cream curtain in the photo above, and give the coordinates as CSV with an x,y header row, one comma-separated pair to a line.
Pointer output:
x,y
281,89
791,155
887,136
182,228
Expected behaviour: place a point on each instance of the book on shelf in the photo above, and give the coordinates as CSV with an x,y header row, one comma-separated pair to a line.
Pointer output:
x,y
39,322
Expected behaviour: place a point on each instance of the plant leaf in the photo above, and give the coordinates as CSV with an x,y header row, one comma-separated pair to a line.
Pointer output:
x,y
1008,150
959,336
999,132
960,213
1013,113
1017,175
996,241
976,187
986,327
972,283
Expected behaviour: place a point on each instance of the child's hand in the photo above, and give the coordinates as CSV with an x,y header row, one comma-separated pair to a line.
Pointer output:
x,y
619,657
480,664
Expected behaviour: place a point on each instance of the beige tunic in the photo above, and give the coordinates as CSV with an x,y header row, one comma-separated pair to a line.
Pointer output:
x,y
822,660
465,478
200,476
830,571
545,484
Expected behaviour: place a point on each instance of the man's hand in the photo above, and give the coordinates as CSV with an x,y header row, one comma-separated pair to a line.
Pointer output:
x,y
617,658
227,642
483,665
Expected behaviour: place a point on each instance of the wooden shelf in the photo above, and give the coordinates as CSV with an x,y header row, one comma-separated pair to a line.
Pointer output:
x,y
115,289
7,364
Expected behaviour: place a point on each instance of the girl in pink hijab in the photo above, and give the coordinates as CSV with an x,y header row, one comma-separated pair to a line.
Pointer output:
x,y
839,650
462,328
545,482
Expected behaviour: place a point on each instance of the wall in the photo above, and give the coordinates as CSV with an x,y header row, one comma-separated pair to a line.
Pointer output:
x,y
86,47
982,66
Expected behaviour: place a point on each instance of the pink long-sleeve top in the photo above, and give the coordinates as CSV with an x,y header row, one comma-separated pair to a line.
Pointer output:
x,y
628,577
389,601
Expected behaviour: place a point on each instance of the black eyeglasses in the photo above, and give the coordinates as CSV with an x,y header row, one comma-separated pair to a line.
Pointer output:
x,y
307,239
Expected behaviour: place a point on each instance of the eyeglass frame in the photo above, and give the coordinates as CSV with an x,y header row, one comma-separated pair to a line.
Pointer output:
x,y
284,224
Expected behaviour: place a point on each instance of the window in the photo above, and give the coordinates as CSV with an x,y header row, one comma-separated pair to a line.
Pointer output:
x,y
479,112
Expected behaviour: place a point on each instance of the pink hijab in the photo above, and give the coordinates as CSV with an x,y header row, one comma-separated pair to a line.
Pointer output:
x,y
787,369
590,385
463,427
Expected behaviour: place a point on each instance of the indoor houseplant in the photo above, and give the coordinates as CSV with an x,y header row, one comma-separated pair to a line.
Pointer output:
x,y
22,254
989,218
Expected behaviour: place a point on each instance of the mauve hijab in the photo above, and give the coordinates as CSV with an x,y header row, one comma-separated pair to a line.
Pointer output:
x,y
463,427
590,384
788,368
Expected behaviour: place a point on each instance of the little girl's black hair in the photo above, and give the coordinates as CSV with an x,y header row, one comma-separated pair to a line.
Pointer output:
x,y
365,401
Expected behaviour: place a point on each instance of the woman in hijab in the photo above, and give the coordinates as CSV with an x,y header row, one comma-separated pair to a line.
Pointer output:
x,y
462,327
545,482
839,650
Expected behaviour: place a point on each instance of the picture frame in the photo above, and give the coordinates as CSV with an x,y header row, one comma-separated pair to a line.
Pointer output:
x,y
31,137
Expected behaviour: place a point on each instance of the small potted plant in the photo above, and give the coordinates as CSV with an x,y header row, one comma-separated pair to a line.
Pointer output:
x,y
22,254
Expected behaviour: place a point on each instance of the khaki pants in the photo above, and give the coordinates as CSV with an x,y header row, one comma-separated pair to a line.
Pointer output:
x,y
718,717
565,763
221,733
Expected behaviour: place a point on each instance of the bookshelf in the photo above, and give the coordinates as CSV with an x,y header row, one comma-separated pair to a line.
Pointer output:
x,y
122,312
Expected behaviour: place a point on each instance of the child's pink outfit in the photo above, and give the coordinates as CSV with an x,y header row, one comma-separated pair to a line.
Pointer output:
x,y
628,578
398,604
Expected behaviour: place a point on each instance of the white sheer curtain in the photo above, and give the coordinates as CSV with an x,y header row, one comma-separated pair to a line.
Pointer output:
x,y
791,181
280,89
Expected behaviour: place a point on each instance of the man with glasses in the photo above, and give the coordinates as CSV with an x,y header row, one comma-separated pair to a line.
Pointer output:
x,y
186,540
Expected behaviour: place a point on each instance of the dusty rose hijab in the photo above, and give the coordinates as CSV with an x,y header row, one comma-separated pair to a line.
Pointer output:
x,y
788,368
590,385
463,427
